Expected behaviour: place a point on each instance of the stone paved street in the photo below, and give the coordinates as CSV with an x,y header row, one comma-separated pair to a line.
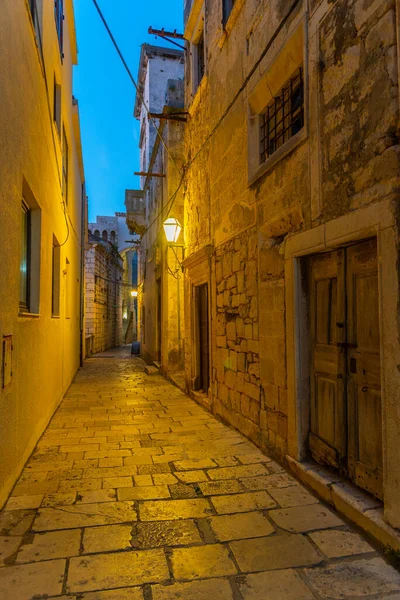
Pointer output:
x,y
136,493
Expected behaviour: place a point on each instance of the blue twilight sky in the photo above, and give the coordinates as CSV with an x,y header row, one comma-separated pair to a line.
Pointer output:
x,y
110,133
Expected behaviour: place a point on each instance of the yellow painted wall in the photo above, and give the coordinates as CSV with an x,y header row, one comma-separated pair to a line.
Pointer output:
x,y
45,349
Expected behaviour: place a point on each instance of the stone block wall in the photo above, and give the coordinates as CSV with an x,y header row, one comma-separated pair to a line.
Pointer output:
x,y
103,271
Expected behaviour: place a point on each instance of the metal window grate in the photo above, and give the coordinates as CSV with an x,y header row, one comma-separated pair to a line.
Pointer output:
x,y
283,118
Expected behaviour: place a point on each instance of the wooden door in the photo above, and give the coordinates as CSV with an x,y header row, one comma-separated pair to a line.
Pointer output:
x,y
327,438
363,357
159,319
346,410
201,339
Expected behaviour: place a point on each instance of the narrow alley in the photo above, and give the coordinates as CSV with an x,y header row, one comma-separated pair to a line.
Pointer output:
x,y
135,492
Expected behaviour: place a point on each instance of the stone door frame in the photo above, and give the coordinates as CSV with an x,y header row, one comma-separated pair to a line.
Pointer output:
x,y
377,220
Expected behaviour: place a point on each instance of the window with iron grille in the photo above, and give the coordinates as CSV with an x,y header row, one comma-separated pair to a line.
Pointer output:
x,y
59,17
283,118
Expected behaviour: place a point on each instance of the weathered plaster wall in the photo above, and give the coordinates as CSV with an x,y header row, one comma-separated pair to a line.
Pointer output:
x,y
45,348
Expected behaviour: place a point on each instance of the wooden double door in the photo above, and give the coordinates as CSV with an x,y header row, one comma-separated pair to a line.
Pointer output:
x,y
346,410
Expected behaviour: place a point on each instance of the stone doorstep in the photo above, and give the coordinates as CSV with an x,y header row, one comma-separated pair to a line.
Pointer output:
x,y
202,399
349,501
150,370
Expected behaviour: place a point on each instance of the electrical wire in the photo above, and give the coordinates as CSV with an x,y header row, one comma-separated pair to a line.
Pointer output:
x,y
189,164
139,93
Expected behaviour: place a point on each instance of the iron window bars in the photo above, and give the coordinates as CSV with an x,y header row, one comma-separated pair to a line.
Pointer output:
x,y
284,116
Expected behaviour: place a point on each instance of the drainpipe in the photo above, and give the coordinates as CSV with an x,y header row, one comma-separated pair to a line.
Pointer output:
x,y
82,290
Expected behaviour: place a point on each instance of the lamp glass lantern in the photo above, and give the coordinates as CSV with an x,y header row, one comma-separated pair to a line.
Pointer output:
x,y
134,293
172,229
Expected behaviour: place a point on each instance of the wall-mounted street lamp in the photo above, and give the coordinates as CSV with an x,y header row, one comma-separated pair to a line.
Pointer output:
x,y
172,229
134,293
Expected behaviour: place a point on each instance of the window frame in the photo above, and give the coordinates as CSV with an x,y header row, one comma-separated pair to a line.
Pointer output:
x,y
59,22
57,106
55,278
25,252
200,59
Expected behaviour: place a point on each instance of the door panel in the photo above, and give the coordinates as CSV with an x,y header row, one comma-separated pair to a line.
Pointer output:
x,y
201,339
327,438
204,338
346,409
364,388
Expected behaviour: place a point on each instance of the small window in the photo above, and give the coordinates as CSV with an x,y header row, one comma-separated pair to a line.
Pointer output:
x,y
65,158
35,11
55,287
227,6
97,234
57,106
104,235
112,237
25,268
283,118
59,17
67,288
200,60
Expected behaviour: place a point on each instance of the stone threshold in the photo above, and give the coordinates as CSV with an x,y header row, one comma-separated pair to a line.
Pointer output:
x,y
351,502
178,380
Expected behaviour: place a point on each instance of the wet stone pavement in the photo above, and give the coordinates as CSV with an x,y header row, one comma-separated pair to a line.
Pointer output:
x,y
136,493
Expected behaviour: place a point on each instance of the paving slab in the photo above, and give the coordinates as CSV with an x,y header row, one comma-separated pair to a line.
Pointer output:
x,y
217,589
8,547
165,510
275,585
240,526
119,594
277,552
24,582
103,571
356,578
50,545
202,561
107,538
334,543
237,503
164,534
305,518
84,515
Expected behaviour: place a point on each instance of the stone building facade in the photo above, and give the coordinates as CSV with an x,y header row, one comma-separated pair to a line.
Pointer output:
x,y
160,289
103,314
42,219
291,234
115,230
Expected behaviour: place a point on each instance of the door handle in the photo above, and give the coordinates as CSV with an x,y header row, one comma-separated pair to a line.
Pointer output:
x,y
364,389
